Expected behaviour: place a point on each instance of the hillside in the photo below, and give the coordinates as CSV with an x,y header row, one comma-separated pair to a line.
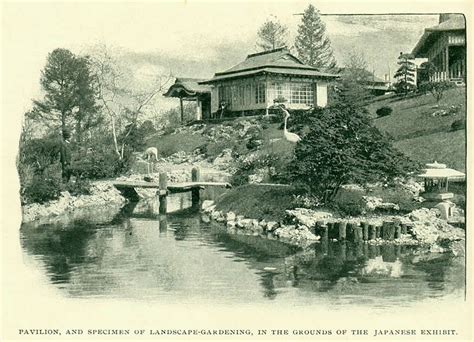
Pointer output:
x,y
419,134
416,132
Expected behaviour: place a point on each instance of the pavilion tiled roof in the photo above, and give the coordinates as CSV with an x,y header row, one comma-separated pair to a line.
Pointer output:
x,y
278,61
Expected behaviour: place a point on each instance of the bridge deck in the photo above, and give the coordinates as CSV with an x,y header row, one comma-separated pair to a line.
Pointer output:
x,y
172,187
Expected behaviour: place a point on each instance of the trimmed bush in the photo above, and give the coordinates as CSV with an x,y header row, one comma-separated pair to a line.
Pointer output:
x,y
458,125
383,111
42,189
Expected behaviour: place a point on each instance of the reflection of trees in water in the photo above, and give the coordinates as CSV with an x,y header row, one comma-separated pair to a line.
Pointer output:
x,y
62,250
321,269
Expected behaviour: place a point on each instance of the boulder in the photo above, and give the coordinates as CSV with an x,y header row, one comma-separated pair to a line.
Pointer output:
x,y
307,217
271,226
230,216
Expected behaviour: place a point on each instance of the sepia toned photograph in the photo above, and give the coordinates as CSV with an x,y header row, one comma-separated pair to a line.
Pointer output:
x,y
252,155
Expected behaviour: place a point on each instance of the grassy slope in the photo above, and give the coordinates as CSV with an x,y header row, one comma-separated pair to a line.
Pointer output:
x,y
421,136
445,147
172,143
257,201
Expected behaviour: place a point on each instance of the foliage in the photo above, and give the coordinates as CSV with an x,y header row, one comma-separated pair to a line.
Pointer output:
x,y
79,187
458,125
350,203
311,42
271,35
352,85
70,95
405,74
274,165
172,117
437,89
343,147
383,111
101,162
43,187
426,71
39,153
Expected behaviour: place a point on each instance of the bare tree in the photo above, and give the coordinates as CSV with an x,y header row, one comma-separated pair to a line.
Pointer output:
x,y
122,97
272,35
354,78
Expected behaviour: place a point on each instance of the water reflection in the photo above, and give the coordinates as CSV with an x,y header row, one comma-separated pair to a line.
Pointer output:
x,y
178,258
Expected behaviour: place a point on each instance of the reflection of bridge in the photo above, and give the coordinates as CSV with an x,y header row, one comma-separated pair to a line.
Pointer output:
x,y
127,188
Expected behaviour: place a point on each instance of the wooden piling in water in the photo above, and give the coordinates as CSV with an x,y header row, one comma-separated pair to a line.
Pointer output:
x,y
163,192
378,230
195,177
350,231
372,232
322,231
342,230
332,234
388,230
398,229
365,230
358,236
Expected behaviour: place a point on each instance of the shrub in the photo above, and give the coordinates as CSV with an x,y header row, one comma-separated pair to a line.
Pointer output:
x,y
458,125
79,187
249,164
343,147
384,111
44,187
103,162
349,202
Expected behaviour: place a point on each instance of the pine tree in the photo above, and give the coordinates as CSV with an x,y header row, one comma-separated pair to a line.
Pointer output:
x,y
405,74
70,96
311,43
272,35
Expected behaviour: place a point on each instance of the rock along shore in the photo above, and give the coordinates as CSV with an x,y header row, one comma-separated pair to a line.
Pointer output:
x,y
300,227
103,196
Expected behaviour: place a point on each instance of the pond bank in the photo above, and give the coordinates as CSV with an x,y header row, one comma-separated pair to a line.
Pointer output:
x,y
104,196
303,227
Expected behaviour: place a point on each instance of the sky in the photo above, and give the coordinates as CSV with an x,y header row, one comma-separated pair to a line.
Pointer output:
x,y
187,39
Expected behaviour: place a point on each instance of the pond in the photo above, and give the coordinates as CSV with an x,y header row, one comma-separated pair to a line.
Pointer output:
x,y
178,258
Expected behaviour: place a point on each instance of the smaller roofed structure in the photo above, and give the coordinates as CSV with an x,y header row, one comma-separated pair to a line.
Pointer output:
x,y
436,177
189,89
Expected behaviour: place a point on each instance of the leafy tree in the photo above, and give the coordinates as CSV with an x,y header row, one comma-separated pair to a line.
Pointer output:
x,y
354,77
437,89
342,146
271,35
311,43
426,70
405,74
70,96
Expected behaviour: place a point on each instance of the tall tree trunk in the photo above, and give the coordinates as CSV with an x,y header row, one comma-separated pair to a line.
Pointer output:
x,y
114,134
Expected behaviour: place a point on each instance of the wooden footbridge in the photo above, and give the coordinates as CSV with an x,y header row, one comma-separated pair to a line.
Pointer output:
x,y
127,188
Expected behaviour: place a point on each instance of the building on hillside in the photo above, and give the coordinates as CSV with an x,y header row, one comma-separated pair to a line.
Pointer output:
x,y
189,89
375,85
445,46
251,86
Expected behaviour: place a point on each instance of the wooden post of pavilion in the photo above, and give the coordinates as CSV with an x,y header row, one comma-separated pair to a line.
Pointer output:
x,y
181,107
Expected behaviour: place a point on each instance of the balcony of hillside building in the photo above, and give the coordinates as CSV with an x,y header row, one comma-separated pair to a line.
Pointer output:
x,y
444,45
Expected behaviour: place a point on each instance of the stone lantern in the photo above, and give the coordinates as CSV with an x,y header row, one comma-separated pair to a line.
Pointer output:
x,y
436,177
